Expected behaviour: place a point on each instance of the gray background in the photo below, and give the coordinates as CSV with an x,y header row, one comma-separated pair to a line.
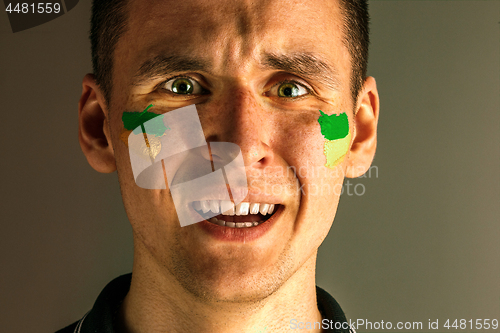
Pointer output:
x,y
421,243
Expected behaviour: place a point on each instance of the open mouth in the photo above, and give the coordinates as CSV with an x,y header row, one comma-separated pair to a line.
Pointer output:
x,y
243,215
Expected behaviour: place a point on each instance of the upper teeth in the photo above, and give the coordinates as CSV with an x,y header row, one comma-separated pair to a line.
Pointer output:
x,y
226,207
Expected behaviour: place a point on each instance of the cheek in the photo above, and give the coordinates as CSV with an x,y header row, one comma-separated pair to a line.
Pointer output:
x,y
314,140
301,142
316,160
150,212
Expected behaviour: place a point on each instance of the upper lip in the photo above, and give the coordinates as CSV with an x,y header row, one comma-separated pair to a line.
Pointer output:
x,y
253,195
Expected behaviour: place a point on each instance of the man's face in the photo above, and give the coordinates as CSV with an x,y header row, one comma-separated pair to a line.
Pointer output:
x,y
248,63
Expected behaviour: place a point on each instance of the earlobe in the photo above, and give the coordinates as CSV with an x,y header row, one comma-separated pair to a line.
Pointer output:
x,y
93,127
365,130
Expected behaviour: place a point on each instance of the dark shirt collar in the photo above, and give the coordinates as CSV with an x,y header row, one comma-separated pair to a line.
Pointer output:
x,y
105,311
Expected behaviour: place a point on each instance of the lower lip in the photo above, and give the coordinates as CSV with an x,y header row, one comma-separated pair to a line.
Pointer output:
x,y
242,235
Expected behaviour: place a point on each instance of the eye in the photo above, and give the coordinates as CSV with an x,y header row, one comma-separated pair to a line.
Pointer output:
x,y
184,86
289,89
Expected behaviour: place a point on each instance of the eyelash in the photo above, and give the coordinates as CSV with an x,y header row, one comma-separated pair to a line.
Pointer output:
x,y
162,84
309,90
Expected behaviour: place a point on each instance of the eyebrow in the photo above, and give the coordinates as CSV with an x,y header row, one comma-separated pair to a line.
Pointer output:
x,y
304,64
161,66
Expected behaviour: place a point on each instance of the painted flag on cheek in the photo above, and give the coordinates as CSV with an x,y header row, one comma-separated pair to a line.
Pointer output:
x,y
335,130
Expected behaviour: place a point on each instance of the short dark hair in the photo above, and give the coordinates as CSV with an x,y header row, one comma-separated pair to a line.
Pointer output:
x,y
356,31
108,23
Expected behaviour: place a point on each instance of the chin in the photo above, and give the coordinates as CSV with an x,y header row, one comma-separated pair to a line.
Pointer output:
x,y
233,281
248,290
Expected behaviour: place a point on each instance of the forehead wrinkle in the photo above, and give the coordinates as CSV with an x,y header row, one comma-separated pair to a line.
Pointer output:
x,y
304,64
163,65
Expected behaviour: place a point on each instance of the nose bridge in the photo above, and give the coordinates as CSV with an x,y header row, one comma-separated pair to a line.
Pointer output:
x,y
243,118
246,112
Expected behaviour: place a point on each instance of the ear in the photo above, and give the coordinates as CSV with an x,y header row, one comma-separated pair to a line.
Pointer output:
x,y
93,127
365,130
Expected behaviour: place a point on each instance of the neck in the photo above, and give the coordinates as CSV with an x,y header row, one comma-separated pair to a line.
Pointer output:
x,y
157,302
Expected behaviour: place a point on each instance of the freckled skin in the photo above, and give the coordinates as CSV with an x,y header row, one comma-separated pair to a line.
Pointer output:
x,y
182,279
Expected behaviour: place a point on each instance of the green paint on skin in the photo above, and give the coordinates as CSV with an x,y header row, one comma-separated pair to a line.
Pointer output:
x,y
135,120
334,127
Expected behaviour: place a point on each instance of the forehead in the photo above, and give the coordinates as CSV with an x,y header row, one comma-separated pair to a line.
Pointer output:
x,y
232,35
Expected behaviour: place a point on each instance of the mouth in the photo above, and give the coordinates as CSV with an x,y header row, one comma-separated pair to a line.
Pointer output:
x,y
242,215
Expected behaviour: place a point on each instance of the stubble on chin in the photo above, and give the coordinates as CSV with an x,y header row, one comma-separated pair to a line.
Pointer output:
x,y
253,287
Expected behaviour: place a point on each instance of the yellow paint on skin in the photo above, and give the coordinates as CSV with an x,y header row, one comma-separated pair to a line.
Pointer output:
x,y
336,150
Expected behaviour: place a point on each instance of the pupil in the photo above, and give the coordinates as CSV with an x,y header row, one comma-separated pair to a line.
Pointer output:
x,y
181,86
288,91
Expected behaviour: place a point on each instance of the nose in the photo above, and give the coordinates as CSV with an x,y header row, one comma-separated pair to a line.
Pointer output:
x,y
239,117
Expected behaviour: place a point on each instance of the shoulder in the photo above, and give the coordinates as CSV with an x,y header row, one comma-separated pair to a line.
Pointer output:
x,y
332,312
69,329
101,317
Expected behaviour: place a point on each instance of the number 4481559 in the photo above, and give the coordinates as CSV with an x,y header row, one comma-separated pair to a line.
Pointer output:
x,y
41,8
478,324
